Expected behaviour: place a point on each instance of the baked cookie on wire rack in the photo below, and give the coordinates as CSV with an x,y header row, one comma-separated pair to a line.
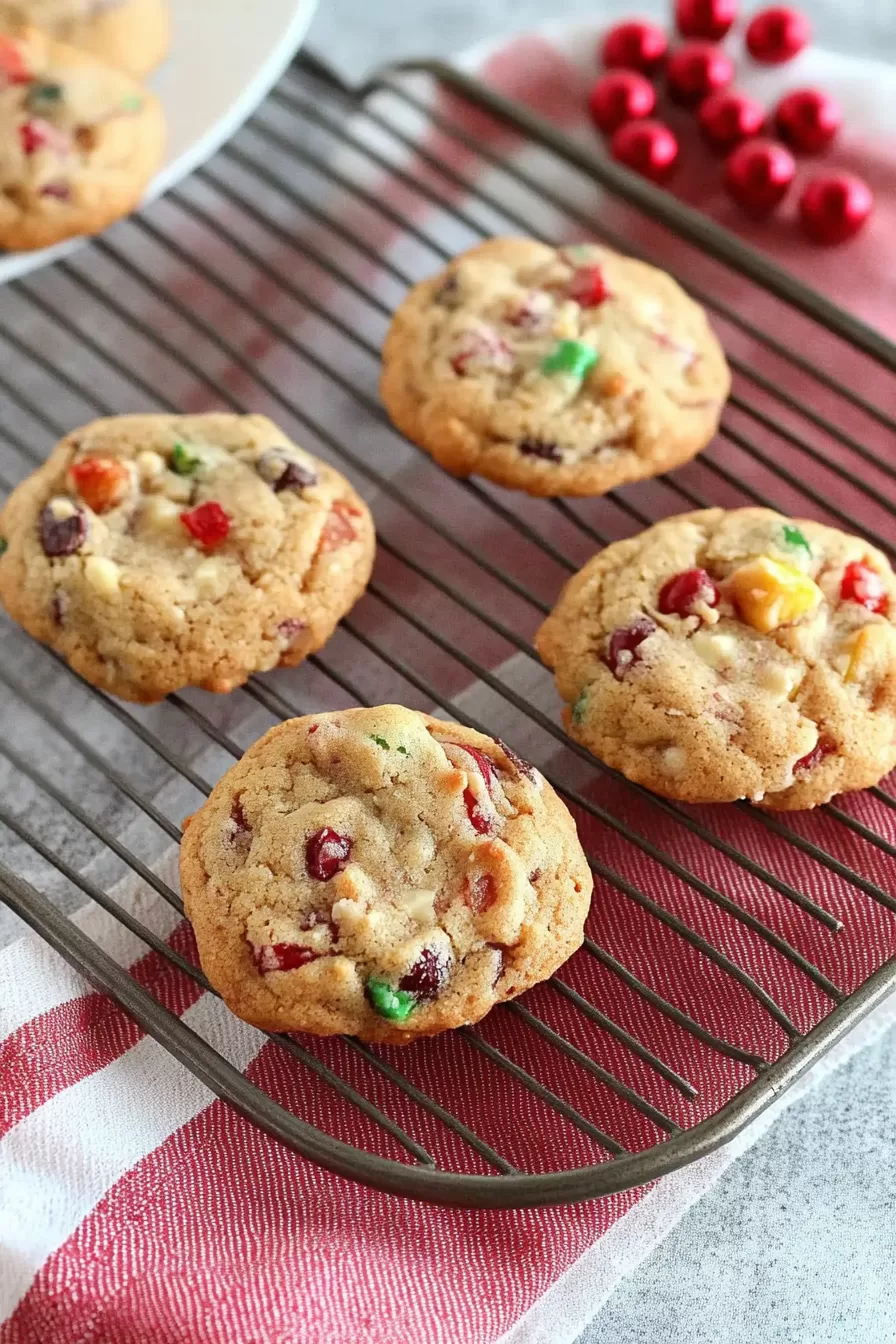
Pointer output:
x,y
382,873
558,371
161,551
724,655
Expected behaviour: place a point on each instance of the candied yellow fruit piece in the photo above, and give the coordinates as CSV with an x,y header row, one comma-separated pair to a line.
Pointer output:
x,y
769,593
873,650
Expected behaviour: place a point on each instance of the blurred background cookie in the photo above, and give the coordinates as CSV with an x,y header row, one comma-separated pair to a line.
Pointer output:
x,y
130,34
79,141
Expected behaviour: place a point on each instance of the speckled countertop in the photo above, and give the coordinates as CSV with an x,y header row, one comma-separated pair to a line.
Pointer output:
x,y
797,1242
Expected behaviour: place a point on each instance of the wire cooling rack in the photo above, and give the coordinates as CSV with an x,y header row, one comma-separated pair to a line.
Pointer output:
x,y
266,282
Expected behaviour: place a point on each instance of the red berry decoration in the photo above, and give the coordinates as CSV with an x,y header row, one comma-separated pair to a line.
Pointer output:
x,y
758,175
696,70
339,529
635,45
776,35
834,208
709,19
101,482
620,96
864,585
208,523
480,893
429,974
726,118
326,854
683,593
649,147
807,120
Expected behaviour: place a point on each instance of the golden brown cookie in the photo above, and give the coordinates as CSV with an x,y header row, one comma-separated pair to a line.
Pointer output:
x,y
79,142
132,35
382,873
723,655
559,371
160,551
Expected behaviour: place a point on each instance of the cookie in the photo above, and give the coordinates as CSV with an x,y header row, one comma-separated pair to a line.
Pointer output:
x,y
79,142
161,551
558,371
381,873
723,655
131,35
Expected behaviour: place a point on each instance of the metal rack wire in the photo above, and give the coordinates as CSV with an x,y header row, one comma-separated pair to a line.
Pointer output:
x,y
266,282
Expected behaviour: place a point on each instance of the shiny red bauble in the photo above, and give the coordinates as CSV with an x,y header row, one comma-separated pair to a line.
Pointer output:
x,y
758,174
649,147
728,117
834,208
807,120
709,19
776,35
696,70
636,45
620,96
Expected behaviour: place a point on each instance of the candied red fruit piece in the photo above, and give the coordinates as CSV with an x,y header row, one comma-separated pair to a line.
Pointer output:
x,y
283,472
13,69
483,764
429,974
61,536
480,893
540,448
208,524
59,190
823,747
479,820
864,585
101,482
680,595
326,853
522,767
339,530
588,287
281,956
39,134
291,627
239,830
623,647
482,350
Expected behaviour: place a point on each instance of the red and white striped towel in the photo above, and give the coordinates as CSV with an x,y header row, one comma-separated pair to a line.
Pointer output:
x,y
136,1208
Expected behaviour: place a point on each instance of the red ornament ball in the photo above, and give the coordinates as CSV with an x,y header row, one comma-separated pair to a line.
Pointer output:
x,y
649,147
776,35
834,208
807,120
620,96
758,174
728,117
635,45
709,19
696,70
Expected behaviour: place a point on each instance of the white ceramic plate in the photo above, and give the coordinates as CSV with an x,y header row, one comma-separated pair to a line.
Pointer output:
x,y
225,56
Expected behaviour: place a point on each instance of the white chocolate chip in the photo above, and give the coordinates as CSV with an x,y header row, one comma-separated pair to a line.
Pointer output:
x,y
419,903
777,678
178,487
149,465
351,917
718,651
212,579
162,515
62,509
102,574
674,760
